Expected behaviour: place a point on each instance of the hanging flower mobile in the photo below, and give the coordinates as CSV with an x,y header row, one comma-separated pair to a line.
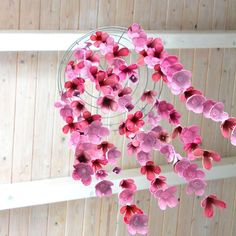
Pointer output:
x,y
113,83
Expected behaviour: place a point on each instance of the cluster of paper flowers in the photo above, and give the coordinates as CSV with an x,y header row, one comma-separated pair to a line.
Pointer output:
x,y
88,135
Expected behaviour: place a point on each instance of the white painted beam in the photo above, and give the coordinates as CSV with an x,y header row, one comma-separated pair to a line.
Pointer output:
x,y
64,189
61,40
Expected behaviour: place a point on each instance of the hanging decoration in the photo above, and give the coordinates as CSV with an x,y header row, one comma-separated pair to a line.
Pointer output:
x,y
101,60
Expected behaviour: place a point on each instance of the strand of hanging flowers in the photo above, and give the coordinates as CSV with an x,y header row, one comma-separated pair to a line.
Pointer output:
x,y
88,134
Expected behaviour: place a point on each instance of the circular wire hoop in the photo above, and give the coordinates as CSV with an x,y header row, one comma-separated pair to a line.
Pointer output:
x,y
112,119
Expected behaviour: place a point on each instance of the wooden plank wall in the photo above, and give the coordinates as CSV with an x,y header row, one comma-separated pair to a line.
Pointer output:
x,y
33,147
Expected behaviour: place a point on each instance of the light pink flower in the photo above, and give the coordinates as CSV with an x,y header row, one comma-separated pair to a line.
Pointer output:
x,y
181,165
112,155
148,141
233,136
207,105
190,134
217,112
173,69
228,126
153,119
74,139
103,188
126,197
166,197
125,102
133,147
66,111
196,186
83,172
168,61
195,103
158,183
191,172
138,224
101,174
128,70
168,151
164,108
143,157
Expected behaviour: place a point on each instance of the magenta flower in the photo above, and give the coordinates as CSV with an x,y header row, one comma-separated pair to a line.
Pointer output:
x,y
150,170
195,103
70,126
168,151
103,188
101,174
138,224
129,71
207,105
126,197
117,52
83,172
95,132
228,126
75,87
148,96
99,38
158,183
191,172
112,155
128,184
107,103
174,117
143,157
166,197
173,69
208,203
78,107
196,186
181,165
164,108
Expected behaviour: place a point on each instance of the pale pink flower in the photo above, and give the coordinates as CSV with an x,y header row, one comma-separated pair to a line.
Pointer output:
x,y
195,103
190,135
158,183
167,62
103,188
166,197
138,224
66,111
181,165
83,172
217,112
153,119
196,186
112,155
191,172
148,141
207,105
126,197
168,151
74,139
143,157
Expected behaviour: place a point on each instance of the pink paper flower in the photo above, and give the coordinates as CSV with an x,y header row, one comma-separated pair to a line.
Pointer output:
x,y
98,163
70,126
75,87
101,174
166,197
228,126
107,103
75,138
138,224
112,155
117,52
233,136
196,186
143,157
78,107
99,38
66,111
129,210
168,61
133,147
195,103
153,119
208,203
164,108
207,105
181,165
191,172
158,74
217,112
168,151
81,156
158,183
128,184
126,197
148,96
83,172
105,146
148,141
103,188
190,135
174,117
129,71
150,170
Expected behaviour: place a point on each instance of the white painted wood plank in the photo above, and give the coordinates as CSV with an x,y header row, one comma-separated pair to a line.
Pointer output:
x,y
63,189
60,41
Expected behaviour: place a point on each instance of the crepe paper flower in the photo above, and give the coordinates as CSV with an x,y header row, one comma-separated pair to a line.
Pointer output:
x,y
92,57
73,69
105,146
191,172
107,46
81,156
78,107
128,211
174,117
195,103
158,183
181,165
74,87
148,141
70,126
126,197
148,96
128,70
153,119
138,224
196,186
180,81
66,111
128,184
176,131
158,74
207,105
217,112
101,174
133,147
168,151
103,188
190,135
188,93
143,157
116,170
83,172
98,163
173,68
207,157
150,170
168,61
95,132
228,126
88,118
112,155
233,136
124,102
99,38
164,108
75,138
107,103
117,52
134,121
166,197
163,137
208,203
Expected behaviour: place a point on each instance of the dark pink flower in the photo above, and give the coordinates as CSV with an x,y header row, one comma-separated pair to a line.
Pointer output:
x,y
158,74
103,188
207,105
101,174
98,163
207,157
176,131
78,107
166,197
195,103
150,170
125,102
81,156
88,119
83,172
129,71
188,93
73,69
123,52
191,172
196,186
158,183
133,147
129,210
164,108
138,223
112,155
99,38
174,117
74,87
126,197
128,184
105,146
70,126
228,126
148,96
107,103
208,203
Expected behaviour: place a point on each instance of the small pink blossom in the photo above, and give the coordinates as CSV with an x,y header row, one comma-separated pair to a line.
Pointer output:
x,y
158,183
99,37
191,172
153,119
72,70
133,147
168,61
195,103
78,107
66,111
228,126
125,102
190,135
128,184
217,112
207,105
129,71
196,186
138,224
101,174
112,155
166,197
164,108
181,165
168,151
148,141
83,172
143,157
103,188
126,197
174,117
107,103
148,96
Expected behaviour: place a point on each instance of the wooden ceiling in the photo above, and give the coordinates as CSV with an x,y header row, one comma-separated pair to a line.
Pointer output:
x,y
32,145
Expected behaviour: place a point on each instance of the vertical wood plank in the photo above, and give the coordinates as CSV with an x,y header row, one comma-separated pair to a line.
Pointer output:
x,y
231,16
220,14
124,13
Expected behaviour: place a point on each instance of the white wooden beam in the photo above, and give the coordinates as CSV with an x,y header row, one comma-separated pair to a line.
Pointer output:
x,y
64,189
61,40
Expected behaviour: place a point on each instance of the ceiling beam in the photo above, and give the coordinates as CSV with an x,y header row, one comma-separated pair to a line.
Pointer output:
x,y
61,40
64,189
